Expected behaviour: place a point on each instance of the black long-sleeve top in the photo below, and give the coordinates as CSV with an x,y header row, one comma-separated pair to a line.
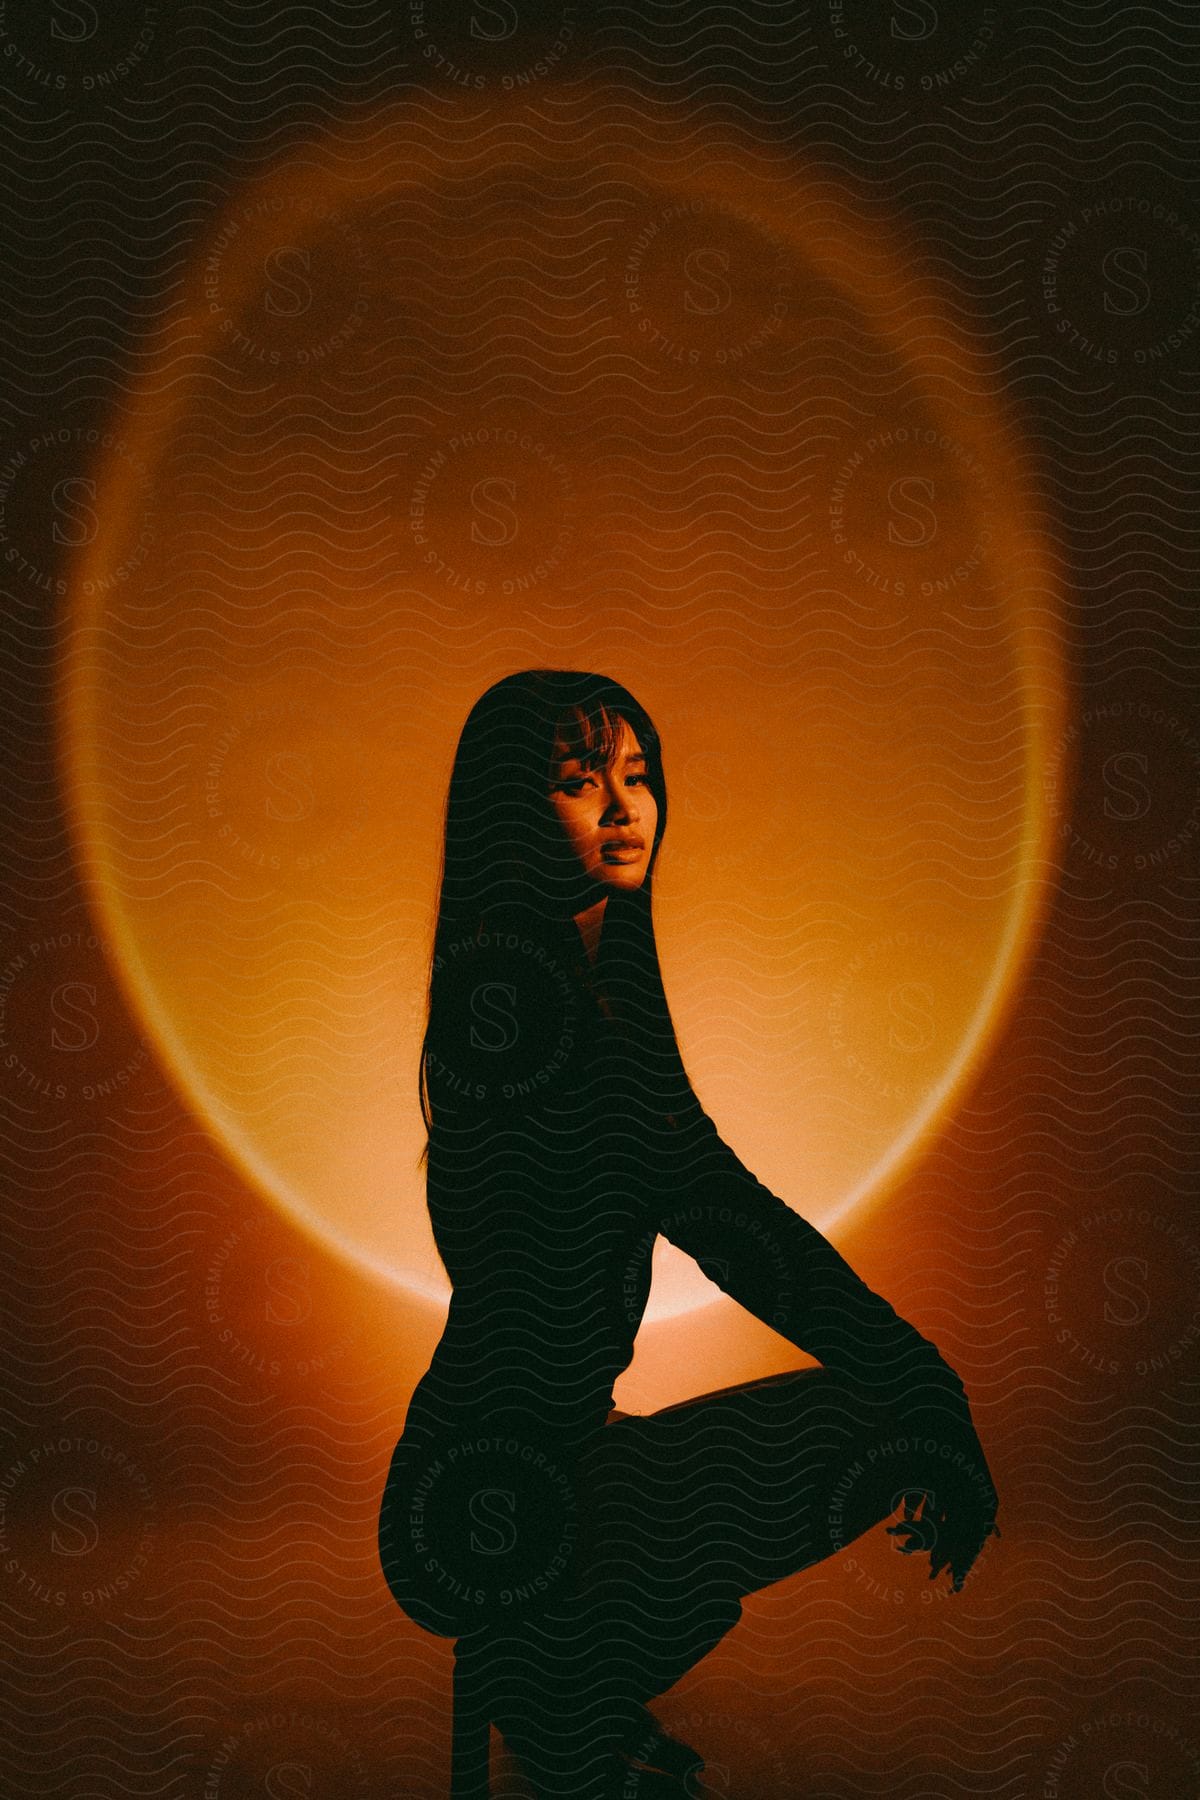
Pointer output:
x,y
545,1204
546,1223
551,1172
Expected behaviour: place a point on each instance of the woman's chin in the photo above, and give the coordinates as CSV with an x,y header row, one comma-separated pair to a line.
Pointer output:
x,y
620,876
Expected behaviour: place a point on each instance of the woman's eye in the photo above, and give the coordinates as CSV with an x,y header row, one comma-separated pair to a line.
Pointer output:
x,y
569,787
636,780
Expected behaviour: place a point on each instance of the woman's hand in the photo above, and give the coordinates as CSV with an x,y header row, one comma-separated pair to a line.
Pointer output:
x,y
952,1525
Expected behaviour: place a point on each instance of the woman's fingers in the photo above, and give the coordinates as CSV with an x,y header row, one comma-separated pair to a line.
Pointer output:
x,y
963,1547
914,1541
953,1532
961,1531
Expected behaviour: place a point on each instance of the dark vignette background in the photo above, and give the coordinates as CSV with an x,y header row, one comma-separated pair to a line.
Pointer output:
x,y
258,1652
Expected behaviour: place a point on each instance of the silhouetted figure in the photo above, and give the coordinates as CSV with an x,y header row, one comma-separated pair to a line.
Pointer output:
x,y
586,1562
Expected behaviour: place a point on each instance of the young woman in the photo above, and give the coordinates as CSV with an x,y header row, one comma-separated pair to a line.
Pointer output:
x,y
585,1559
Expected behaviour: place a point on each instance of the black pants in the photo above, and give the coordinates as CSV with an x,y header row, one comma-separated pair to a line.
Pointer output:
x,y
687,1510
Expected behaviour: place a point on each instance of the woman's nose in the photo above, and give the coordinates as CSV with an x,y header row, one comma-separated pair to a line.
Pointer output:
x,y
621,800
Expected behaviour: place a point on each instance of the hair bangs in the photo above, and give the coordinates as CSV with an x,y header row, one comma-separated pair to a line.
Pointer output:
x,y
591,735
587,734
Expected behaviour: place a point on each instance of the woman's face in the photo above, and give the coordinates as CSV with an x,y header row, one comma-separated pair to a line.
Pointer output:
x,y
608,815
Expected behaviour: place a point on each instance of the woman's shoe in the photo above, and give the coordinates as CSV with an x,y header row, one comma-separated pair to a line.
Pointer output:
x,y
648,1746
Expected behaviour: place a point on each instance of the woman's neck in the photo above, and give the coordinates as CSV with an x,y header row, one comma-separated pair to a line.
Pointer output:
x,y
589,923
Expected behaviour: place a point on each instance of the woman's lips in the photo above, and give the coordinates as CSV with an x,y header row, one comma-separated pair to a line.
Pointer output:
x,y
622,850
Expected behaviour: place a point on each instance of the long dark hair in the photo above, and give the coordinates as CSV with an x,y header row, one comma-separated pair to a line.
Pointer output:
x,y
507,867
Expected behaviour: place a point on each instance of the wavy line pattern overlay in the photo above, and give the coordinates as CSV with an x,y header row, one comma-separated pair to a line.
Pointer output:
x,y
827,373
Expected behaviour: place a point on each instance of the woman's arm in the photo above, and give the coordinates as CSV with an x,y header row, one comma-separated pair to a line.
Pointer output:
x,y
780,1267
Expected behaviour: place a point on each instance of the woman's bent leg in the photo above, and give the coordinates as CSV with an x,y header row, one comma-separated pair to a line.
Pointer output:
x,y
722,1495
556,1689
688,1510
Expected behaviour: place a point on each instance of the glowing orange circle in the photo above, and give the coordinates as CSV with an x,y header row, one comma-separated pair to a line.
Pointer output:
x,y
701,385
